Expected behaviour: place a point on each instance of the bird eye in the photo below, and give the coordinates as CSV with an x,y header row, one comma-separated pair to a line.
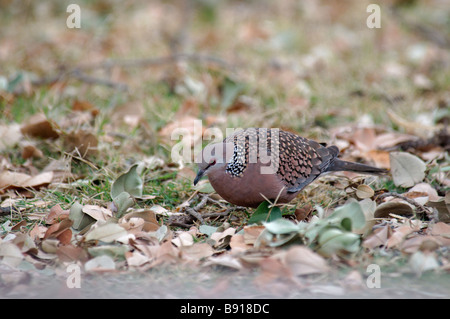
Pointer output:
x,y
213,162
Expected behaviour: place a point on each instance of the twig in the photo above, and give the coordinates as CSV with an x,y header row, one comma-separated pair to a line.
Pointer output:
x,y
420,207
194,211
77,74
146,62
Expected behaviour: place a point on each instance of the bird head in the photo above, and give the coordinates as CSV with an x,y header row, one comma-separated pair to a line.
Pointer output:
x,y
213,157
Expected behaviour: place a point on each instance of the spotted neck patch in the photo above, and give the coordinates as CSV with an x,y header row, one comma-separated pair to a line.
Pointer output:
x,y
238,162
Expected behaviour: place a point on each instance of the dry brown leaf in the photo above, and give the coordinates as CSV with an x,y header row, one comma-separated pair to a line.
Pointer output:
x,y
29,151
60,231
166,253
379,237
189,128
364,191
183,239
398,208
251,233
399,234
97,212
20,180
150,223
136,259
303,213
83,141
39,126
238,245
425,188
71,253
38,232
411,245
301,260
441,229
197,251
364,138
82,106
56,214
378,157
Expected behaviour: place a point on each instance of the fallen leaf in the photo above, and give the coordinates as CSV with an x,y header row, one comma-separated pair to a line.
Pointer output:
x,y
423,261
379,237
29,151
11,254
108,232
39,126
83,141
364,191
383,210
197,251
302,260
399,234
238,245
97,212
102,263
183,239
10,135
20,180
130,182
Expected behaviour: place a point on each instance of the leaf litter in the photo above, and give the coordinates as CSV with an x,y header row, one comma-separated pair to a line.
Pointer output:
x,y
105,220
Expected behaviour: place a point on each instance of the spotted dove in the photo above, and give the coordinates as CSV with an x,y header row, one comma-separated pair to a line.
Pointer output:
x,y
257,163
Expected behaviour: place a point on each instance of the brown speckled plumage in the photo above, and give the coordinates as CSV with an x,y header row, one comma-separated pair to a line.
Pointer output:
x,y
296,162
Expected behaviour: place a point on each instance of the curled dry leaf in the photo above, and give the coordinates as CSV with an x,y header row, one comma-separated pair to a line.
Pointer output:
x,y
20,180
39,126
149,221
364,191
383,210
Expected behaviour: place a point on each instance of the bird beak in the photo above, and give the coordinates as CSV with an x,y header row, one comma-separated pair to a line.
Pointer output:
x,y
200,174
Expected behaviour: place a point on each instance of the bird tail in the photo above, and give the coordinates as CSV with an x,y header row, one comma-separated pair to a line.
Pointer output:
x,y
340,165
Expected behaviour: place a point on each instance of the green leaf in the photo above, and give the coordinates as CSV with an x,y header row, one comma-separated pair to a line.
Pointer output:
x,y
336,241
114,251
130,182
107,233
205,188
265,214
123,201
281,226
353,212
80,219
207,230
231,90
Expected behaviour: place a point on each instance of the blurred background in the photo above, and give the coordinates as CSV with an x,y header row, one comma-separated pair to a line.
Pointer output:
x,y
301,65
